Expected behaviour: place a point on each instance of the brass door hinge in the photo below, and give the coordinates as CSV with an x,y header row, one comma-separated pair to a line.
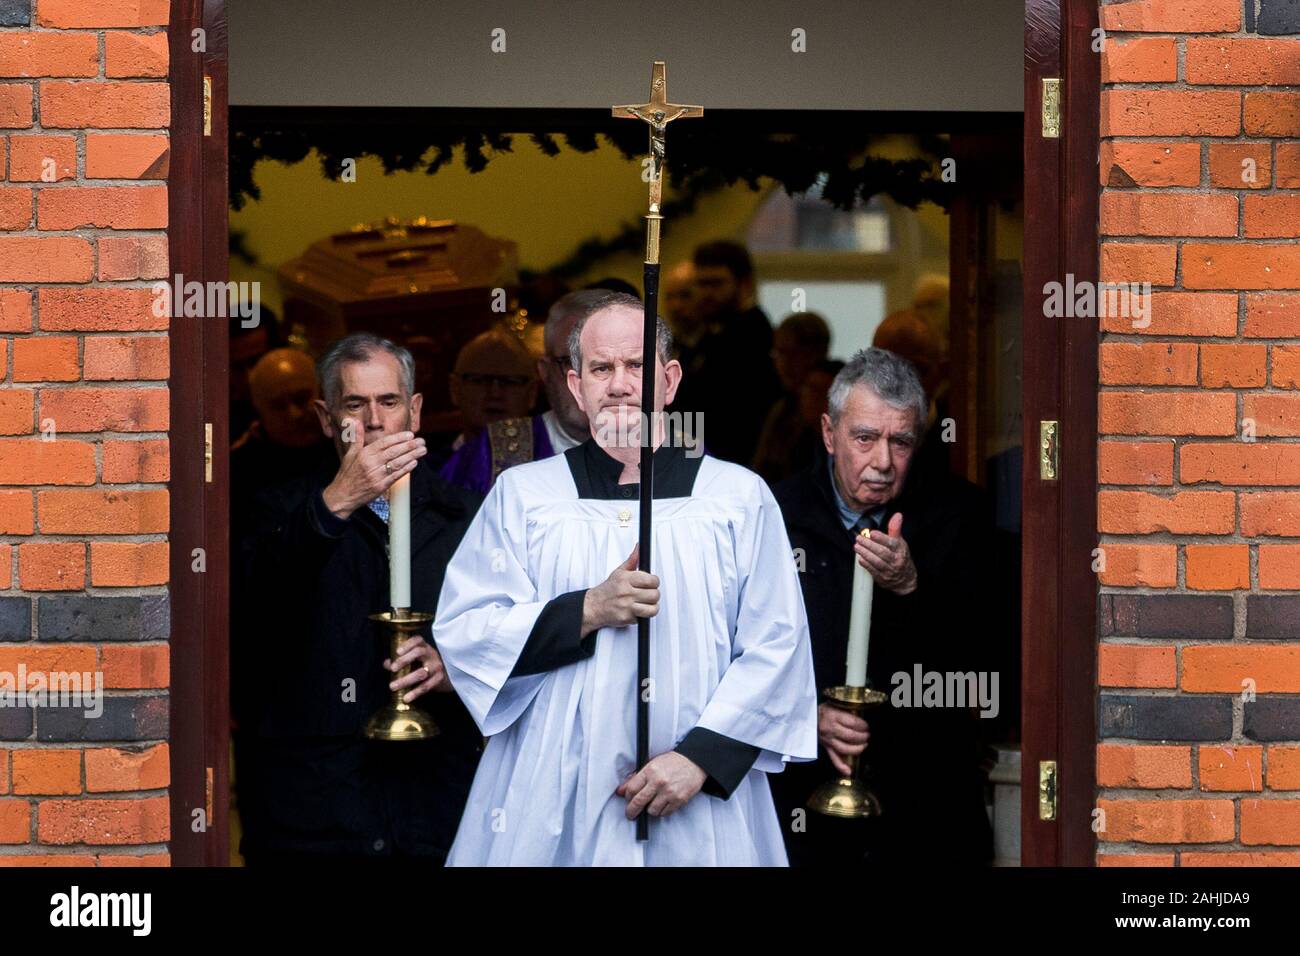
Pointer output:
x,y
207,106
207,452
1052,108
207,799
1047,789
1049,450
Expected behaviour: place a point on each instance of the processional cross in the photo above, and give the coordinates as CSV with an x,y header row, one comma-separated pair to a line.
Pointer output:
x,y
658,113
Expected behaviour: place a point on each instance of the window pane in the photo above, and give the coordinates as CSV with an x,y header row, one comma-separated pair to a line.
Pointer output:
x,y
808,223
851,309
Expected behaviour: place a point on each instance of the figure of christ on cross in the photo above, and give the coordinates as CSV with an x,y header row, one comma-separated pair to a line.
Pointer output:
x,y
658,113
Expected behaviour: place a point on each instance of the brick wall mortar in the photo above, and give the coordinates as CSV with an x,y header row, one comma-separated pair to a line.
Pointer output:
x,y
1195,717
136,719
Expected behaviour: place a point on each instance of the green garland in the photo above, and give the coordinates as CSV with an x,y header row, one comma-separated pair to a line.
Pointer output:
x,y
716,158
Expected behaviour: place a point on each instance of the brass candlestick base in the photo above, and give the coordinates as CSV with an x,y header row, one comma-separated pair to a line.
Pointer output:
x,y
847,796
400,720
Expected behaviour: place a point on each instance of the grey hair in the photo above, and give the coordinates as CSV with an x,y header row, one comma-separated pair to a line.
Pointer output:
x,y
606,299
890,376
360,347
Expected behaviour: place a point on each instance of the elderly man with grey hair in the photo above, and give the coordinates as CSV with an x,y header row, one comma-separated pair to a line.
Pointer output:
x,y
310,569
925,542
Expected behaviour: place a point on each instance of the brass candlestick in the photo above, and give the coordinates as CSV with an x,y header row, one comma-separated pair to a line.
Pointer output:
x,y
847,796
399,720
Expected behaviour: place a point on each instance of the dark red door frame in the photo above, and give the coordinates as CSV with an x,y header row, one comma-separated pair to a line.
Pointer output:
x,y
1059,622
1059,682
197,241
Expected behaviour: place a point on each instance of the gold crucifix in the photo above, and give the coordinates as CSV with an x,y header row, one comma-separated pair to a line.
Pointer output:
x,y
658,113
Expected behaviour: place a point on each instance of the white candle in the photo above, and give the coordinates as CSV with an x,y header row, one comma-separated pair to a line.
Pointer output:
x,y
399,542
859,625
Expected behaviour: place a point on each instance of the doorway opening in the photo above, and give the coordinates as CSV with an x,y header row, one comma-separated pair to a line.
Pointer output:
x,y
560,220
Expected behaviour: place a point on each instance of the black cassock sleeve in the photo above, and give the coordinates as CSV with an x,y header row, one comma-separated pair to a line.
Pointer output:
x,y
556,640
724,759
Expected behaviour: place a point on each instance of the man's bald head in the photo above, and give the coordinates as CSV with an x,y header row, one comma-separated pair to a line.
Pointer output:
x,y
931,301
907,333
931,292
493,352
683,273
278,366
282,387
494,378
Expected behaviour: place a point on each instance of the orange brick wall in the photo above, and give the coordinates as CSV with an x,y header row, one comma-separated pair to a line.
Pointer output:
x,y
84,113
1200,527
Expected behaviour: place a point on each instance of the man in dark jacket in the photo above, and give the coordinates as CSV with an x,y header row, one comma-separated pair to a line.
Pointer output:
x,y
733,358
309,667
284,441
928,556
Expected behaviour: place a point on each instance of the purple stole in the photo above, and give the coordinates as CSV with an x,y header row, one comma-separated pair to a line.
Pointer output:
x,y
511,441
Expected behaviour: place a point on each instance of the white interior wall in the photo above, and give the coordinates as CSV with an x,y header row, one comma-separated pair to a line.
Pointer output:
x,y
860,54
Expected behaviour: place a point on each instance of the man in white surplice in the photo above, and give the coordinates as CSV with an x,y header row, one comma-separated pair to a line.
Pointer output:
x,y
537,629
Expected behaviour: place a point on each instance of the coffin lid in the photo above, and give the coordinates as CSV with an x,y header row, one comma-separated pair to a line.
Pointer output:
x,y
427,258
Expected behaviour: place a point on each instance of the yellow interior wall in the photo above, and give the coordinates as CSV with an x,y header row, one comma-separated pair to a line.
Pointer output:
x,y
1011,234
546,204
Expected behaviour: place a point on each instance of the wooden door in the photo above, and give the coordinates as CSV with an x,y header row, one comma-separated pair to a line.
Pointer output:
x,y
199,488
1059,619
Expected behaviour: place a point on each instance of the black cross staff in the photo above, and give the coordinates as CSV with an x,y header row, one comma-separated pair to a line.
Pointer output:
x,y
658,113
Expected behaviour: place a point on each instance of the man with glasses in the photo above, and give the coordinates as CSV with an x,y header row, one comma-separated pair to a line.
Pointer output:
x,y
491,380
512,441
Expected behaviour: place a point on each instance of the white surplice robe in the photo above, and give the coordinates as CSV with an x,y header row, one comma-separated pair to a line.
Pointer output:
x,y
729,652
